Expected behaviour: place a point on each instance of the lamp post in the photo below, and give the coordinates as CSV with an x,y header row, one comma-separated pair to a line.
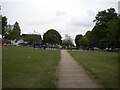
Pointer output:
x,y
119,7
0,23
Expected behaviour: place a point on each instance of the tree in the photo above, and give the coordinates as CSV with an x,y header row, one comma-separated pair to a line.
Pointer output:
x,y
77,39
83,42
14,33
100,31
104,16
113,35
4,26
90,39
16,30
67,42
105,33
0,24
8,32
52,37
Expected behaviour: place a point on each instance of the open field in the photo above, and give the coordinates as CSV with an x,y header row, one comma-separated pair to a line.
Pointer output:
x,y
26,67
99,64
0,66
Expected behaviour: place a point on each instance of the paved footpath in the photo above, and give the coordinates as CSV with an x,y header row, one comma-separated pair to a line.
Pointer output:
x,y
72,75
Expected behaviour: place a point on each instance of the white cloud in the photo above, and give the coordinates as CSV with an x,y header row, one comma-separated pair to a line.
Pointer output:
x,y
84,22
90,12
66,16
60,13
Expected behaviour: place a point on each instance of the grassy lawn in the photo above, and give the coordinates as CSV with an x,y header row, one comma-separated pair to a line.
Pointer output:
x,y
26,67
102,65
0,67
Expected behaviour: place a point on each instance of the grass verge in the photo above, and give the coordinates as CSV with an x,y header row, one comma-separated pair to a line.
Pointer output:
x,y
26,67
102,65
0,67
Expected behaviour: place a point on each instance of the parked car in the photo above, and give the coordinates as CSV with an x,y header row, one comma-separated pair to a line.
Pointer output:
x,y
116,49
38,45
96,48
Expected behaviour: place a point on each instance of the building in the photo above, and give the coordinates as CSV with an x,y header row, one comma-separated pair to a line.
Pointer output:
x,y
32,38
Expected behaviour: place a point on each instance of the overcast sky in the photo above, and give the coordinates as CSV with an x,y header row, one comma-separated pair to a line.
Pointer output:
x,y
66,16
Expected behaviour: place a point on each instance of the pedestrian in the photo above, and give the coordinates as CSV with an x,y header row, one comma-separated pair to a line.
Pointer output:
x,y
34,45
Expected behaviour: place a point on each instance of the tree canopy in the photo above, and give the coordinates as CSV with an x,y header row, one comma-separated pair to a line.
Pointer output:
x,y
77,39
100,31
13,33
105,33
4,26
52,37
83,42
67,42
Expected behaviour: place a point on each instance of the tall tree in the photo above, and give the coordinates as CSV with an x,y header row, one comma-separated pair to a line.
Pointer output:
x,y
4,26
0,24
77,39
99,31
113,35
67,42
8,32
52,37
16,28
104,16
90,38
83,42
15,33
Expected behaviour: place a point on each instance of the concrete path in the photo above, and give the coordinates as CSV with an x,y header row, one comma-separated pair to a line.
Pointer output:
x,y
72,75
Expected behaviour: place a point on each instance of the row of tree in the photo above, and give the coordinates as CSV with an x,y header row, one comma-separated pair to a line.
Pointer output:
x,y
13,32
53,37
10,32
105,33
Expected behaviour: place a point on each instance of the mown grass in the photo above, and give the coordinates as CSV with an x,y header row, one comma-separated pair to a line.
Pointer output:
x,y
102,65
26,67
0,66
